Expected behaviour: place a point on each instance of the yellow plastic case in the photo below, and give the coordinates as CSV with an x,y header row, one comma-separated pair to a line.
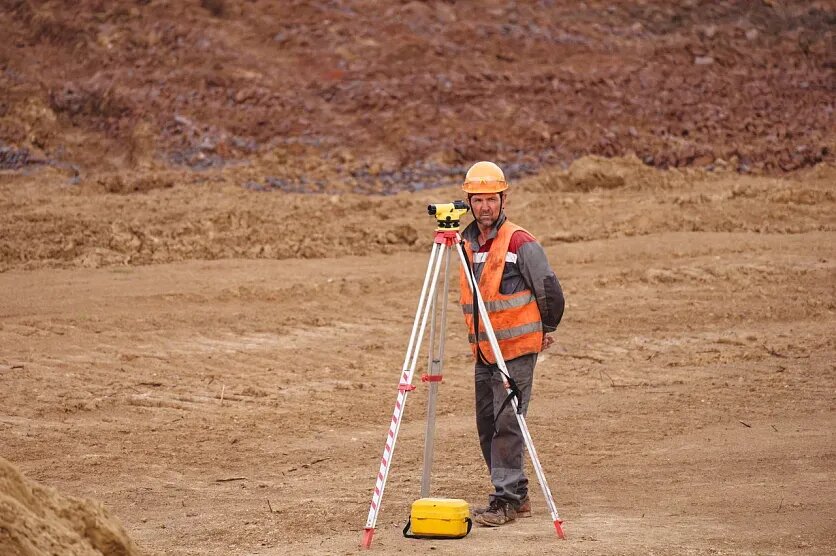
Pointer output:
x,y
439,518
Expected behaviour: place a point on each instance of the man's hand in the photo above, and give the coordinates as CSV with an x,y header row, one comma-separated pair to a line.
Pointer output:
x,y
547,342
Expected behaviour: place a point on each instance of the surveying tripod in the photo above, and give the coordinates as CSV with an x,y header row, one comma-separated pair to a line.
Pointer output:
x,y
447,237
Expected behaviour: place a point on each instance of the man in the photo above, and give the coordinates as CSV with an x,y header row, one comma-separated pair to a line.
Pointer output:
x,y
524,302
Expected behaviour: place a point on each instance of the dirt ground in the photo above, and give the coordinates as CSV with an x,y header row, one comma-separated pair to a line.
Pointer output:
x,y
213,235
240,406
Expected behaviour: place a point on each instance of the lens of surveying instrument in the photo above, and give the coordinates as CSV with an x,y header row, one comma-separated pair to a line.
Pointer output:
x,y
431,210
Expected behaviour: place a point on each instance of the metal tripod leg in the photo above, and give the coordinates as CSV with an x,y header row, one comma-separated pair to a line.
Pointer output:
x,y
500,362
404,386
434,370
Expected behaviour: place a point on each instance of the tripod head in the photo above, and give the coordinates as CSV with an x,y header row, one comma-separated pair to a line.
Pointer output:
x,y
448,215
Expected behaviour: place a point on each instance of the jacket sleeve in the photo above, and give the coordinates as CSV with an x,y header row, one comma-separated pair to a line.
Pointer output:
x,y
541,280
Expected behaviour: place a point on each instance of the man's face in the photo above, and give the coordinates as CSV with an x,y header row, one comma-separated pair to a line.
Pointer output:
x,y
486,207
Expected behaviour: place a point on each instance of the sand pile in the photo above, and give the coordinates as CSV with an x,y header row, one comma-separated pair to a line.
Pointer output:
x,y
591,172
596,172
37,520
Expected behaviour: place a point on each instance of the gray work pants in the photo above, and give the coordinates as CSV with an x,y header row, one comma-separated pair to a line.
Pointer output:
x,y
503,447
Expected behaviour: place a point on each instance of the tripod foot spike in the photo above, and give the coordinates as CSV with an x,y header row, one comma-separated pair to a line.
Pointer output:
x,y
367,537
558,526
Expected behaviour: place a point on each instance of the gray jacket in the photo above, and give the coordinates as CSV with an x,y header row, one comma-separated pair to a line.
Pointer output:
x,y
531,272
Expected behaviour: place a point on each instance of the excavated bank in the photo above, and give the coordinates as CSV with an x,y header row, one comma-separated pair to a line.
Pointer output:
x,y
37,521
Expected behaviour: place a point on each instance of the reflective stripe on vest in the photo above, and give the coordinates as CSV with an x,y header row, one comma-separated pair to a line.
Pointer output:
x,y
482,257
501,304
510,332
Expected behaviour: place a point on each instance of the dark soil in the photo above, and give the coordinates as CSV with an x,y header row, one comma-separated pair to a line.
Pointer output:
x,y
364,97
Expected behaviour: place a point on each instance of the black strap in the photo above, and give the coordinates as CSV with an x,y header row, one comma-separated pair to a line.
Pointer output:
x,y
409,535
514,393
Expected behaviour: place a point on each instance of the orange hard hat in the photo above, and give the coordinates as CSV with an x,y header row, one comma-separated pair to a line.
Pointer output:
x,y
484,177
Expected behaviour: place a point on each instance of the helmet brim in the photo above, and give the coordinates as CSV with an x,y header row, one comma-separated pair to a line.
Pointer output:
x,y
484,187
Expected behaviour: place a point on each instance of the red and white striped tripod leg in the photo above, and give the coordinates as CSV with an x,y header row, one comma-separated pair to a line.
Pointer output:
x,y
404,386
500,362
383,472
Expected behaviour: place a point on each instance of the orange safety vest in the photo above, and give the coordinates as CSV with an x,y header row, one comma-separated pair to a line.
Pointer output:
x,y
515,318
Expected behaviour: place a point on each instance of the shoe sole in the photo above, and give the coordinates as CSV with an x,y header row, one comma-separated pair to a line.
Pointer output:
x,y
484,523
475,514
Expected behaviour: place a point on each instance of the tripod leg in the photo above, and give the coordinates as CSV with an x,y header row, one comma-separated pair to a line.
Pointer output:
x,y
424,306
424,297
500,362
434,370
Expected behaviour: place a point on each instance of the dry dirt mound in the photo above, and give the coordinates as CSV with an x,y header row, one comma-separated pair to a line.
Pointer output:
x,y
595,172
37,520
143,218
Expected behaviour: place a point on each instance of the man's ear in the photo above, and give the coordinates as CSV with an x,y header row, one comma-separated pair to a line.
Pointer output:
x,y
504,198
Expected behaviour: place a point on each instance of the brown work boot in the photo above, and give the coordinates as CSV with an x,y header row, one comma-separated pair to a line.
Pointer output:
x,y
479,510
523,511
525,508
498,513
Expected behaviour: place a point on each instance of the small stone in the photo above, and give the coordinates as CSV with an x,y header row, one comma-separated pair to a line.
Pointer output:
x,y
703,60
445,13
243,95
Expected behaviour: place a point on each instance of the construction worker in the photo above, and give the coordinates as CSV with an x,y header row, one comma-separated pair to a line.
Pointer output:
x,y
525,302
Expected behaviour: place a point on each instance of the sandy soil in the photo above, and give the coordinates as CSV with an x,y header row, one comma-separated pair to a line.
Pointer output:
x,y
38,520
213,234
240,405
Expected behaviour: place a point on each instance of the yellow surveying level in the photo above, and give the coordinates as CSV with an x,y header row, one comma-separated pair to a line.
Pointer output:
x,y
448,215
